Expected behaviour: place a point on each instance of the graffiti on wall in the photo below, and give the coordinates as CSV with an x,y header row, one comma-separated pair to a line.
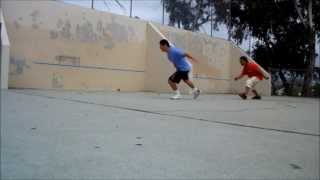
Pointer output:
x,y
68,60
57,81
108,32
17,66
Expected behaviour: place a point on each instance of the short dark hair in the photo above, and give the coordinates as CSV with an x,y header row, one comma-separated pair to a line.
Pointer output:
x,y
164,42
244,58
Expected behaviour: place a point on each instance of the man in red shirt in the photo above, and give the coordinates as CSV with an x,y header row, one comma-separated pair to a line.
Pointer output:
x,y
255,74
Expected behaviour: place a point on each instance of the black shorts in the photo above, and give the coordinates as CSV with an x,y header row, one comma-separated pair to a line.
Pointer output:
x,y
177,76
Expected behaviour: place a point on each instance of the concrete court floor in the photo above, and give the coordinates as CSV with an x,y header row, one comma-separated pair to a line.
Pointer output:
x,y
118,135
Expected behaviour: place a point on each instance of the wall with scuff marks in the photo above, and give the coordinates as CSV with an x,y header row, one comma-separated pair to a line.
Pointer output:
x,y
212,73
263,87
60,46
158,68
217,67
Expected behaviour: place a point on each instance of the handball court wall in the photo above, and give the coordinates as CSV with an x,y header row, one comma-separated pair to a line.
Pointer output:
x,y
58,46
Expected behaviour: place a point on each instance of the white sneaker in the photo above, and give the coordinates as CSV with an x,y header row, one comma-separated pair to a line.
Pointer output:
x,y
196,93
175,97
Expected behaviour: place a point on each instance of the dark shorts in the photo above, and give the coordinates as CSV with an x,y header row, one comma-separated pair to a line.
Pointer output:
x,y
177,76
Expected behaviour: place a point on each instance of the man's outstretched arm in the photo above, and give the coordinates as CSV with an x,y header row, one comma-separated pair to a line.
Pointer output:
x,y
191,57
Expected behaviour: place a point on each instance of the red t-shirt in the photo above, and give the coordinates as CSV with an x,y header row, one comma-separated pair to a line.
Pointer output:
x,y
252,69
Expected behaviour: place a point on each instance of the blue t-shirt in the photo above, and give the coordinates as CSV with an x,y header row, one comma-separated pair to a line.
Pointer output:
x,y
177,57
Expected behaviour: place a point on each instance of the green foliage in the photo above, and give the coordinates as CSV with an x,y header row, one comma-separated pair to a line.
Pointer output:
x,y
188,14
284,31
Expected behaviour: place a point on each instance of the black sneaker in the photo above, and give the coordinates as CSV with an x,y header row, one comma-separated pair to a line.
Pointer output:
x,y
257,97
243,96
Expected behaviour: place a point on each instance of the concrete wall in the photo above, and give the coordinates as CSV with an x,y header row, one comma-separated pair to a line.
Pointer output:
x,y
219,62
60,46
4,54
212,73
264,87
158,68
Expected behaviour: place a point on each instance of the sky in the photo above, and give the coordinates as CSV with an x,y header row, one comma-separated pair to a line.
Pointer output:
x,y
151,10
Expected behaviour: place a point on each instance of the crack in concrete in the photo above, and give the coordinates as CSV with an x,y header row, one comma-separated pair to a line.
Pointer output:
x,y
170,115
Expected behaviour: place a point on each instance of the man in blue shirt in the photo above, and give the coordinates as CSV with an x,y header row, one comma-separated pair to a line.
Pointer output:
x,y
183,66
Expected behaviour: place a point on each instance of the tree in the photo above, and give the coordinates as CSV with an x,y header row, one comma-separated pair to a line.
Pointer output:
x,y
305,12
188,14
285,30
